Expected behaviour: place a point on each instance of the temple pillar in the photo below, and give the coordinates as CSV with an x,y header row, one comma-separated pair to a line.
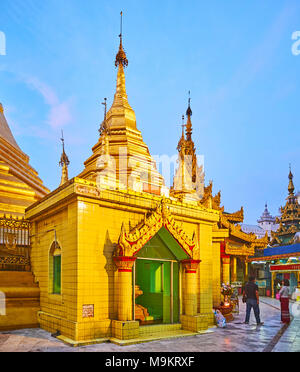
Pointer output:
x,y
233,269
190,302
190,320
246,271
273,277
225,270
125,327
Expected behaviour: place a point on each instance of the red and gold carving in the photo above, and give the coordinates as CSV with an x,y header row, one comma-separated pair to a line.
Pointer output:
x,y
131,243
191,266
124,264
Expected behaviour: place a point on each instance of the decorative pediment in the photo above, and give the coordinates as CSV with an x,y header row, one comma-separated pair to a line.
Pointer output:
x,y
131,243
239,250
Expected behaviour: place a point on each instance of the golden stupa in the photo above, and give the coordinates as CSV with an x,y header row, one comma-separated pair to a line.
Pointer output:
x,y
20,185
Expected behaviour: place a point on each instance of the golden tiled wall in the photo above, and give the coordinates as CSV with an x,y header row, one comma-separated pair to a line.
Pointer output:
x,y
216,270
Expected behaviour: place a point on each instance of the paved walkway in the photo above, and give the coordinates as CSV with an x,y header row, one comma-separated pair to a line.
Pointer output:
x,y
236,337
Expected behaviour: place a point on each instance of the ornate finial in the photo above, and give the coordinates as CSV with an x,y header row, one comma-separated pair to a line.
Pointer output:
x,y
183,125
103,126
291,187
189,111
121,58
1,108
64,162
182,139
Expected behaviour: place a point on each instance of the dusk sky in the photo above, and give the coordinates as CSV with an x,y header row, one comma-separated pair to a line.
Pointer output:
x,y
234,56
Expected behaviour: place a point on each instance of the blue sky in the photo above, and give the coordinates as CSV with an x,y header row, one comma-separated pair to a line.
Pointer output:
x,y
234,56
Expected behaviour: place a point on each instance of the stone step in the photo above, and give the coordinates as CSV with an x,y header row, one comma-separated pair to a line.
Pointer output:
x,y
17,279
159,328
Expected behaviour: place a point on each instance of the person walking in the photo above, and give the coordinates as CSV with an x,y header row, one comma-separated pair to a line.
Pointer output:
x,y
251,296
284,295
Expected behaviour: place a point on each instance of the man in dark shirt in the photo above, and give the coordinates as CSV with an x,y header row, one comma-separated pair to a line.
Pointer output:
x,y
252,295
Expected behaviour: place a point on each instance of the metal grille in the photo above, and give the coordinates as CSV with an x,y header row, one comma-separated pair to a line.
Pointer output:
x,y
14,244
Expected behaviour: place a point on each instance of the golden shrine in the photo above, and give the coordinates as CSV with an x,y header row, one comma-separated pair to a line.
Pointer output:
x,y
119,256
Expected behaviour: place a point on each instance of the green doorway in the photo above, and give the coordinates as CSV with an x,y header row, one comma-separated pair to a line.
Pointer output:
x,y
157,276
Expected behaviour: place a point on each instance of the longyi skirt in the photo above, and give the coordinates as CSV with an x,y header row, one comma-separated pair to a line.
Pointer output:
x,y
285,310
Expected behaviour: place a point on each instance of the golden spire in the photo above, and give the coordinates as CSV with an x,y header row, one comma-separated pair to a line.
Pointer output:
x,y
104,127
121,99
189,113
64,163
291,187
121,58
1,108
182,139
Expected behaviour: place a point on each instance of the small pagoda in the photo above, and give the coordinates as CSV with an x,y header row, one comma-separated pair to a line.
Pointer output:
x,y
289,221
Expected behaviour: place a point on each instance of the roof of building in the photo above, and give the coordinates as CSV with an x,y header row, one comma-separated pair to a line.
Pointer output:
x,y
252,228
266,216
285,249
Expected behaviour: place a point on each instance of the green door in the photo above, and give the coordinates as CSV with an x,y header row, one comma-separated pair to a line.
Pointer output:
x,y
149,278
176,307
56,274
157,276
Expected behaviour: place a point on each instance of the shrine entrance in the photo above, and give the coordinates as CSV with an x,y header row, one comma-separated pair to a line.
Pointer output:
x,y
157,277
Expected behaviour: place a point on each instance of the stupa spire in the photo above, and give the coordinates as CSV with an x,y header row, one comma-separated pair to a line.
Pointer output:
x,y
121,58
291,187
189,113
64,162
121,62
5,131
103,127
182,139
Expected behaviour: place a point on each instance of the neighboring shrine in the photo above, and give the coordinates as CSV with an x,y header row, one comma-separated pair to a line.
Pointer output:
x,y
20,187
281,260
266,223
289,221
238,246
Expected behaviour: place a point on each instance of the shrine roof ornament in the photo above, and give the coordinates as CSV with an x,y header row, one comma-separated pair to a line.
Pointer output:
x,y
131,243
189,111
64,162
231,221
121,58
289,221
291,187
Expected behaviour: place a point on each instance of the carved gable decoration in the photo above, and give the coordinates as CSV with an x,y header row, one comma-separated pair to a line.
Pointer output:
x,y
131,243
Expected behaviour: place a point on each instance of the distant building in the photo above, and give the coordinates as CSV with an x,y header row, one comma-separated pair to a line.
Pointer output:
x,y
254,229
266,223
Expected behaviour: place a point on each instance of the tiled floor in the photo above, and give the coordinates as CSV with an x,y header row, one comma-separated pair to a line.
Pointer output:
x,y
290,341
236,337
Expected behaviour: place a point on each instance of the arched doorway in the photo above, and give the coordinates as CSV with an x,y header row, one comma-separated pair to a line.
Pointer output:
x,y
157,276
